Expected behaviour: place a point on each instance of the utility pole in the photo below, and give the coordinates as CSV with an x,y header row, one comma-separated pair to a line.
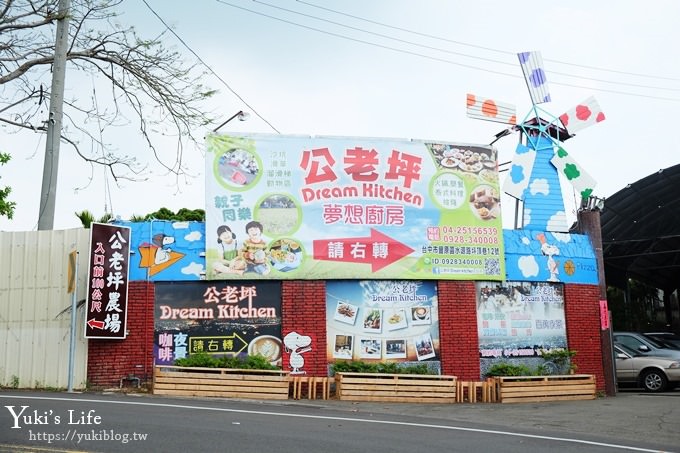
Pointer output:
x,y
48,193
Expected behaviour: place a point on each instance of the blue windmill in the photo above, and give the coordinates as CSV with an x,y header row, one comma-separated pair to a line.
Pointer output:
x,y
540,158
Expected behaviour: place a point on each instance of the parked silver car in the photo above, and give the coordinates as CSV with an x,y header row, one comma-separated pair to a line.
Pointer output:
x,y
646,345
654,374
673,339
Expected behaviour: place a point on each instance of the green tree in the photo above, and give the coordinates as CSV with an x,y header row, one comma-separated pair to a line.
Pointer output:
x,y
6,206
87,218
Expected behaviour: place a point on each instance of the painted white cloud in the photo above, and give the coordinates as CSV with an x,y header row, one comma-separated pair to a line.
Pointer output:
x,y
526,240
528,266
562,237
558,222
193,236
180,225
539,186
193,269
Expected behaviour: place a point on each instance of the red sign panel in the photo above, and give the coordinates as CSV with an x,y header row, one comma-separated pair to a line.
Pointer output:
x,y
107,283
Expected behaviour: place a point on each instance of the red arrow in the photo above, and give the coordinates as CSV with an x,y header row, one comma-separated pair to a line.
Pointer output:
x,y
378,249
94,324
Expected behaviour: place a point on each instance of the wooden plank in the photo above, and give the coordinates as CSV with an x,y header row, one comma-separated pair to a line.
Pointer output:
x,y
226,389
162,368
273,396
398,376
396,387
222,377
396,382
251,382
546,388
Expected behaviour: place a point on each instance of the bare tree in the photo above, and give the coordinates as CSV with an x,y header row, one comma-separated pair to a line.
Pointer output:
x,y
150,86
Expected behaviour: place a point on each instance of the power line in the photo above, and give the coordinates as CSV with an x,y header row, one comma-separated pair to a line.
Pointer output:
x,y
462,43
443,60
476,57
209,68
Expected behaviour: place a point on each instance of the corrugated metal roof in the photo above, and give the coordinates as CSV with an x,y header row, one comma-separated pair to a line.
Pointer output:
x,y
641,231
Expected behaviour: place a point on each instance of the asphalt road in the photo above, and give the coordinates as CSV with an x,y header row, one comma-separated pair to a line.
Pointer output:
x,y
95,422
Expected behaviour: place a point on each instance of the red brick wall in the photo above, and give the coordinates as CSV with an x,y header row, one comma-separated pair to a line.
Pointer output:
x,y
459,341
110,360
582,314
304,311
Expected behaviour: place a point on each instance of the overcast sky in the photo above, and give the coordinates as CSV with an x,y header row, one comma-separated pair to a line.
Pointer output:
x,y
390,68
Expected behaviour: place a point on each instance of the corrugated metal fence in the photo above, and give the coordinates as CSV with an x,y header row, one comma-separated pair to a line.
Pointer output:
x,y
35,308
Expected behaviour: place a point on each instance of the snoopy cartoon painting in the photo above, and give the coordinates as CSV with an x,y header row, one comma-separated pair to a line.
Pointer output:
x,y
297,345
550,251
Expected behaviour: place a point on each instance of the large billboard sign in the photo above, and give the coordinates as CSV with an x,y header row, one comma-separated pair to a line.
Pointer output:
x,y
220,319
284,207
107,283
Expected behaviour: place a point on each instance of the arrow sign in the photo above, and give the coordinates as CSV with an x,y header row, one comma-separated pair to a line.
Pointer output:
x,y
94,324
378,250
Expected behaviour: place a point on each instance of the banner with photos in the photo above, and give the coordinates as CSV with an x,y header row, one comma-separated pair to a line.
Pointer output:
x,y
292,207
382,321
519,319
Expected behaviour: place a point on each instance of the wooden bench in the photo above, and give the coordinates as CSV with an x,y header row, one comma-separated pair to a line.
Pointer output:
x,y
220,382
406,388
531,389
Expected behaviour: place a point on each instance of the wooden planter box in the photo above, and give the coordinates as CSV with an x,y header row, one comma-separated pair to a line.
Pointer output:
x,y
531,389
403,388
220,382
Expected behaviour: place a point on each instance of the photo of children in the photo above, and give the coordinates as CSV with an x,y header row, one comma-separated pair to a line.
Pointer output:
x,y
253,250
228,261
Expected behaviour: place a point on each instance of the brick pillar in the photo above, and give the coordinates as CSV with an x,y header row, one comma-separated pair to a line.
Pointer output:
x,y
582,315
110,360
458,338
304,311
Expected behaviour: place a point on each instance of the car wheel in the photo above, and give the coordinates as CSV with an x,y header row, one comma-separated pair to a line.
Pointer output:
x,y
654,381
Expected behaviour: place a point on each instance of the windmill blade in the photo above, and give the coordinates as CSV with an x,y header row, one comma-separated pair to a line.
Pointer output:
x,y
490,110
534,74
582,115
520,171
583,183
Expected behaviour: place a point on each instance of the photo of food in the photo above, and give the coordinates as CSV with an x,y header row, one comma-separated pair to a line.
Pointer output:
x,y
343,347
285,255
373,320
267,346
424,346
395,319
346,312
370,348
485,202
420,316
